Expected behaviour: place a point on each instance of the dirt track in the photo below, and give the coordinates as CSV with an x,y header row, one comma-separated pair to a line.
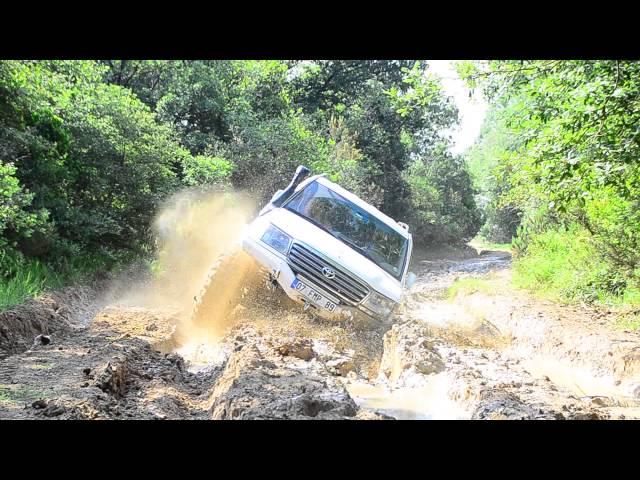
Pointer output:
x,y
486,355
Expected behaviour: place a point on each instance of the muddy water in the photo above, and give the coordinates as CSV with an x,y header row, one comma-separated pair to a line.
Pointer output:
x,y
580,381
202,356
430,401
484,363
473,369
486,355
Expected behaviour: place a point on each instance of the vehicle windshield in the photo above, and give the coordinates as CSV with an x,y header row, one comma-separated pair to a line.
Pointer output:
x,y
352,225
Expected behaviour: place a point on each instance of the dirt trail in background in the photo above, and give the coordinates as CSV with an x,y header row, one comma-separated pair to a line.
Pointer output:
x,y
127,351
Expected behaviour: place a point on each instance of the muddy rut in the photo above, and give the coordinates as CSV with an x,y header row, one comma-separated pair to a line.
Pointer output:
x,y
482,355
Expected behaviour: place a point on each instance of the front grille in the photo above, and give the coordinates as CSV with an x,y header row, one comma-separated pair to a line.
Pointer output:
x,y
344,285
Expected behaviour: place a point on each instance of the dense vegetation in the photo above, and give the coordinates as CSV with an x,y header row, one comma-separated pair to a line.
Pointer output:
x,y
89,150
558,169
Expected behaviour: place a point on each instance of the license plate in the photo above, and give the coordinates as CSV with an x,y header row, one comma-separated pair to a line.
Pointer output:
x,y
314,296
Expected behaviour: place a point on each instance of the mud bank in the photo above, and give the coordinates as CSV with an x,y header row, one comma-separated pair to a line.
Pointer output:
x,y
493,355
499,355
119,367
50,314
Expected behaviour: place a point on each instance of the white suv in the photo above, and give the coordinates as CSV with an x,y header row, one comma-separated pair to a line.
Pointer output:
x,y
331,251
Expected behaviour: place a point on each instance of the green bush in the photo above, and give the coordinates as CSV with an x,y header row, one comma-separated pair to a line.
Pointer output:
x,y
202,170
442,207
565,265
22,278
615,225
561,147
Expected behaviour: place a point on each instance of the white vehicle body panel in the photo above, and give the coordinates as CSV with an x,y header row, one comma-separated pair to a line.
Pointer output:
x,y
335,251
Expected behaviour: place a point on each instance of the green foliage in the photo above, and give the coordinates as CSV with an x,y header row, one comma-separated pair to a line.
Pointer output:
x,y
266,153
629,321
202,170
486,160
88,150
25,280
565,265
95,160
393,110
361,122
22,278
346,165
442,205
614,223
16,219
562,146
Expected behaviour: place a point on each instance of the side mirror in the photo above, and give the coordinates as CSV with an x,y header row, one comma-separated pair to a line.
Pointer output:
x,y
276,195
411,279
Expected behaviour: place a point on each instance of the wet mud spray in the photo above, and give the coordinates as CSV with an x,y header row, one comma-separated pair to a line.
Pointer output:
x,y
193,231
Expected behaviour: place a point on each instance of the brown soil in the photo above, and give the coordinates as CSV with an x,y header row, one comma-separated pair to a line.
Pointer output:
x,y
50,314
489,355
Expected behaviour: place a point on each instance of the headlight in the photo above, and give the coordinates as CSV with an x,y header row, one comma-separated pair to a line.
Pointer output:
x,y
276,239
379,303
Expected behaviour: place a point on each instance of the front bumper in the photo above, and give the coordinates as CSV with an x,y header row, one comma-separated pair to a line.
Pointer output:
x,y
277,265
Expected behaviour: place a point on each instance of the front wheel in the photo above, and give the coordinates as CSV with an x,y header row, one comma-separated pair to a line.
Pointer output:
x,y
231,278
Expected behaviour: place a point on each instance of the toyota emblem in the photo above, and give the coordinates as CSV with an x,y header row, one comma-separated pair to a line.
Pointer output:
x,y
327,272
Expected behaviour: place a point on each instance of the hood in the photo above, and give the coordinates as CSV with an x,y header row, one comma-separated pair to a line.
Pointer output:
x,y
304,231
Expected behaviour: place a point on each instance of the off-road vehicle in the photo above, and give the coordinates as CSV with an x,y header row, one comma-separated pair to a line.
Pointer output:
x,y
327,249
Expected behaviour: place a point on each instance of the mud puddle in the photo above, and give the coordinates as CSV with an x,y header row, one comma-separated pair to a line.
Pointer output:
x,y
438,359
202,356
580,382
430,401
490,357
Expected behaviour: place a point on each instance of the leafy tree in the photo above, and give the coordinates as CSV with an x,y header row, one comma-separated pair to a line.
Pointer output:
x,y
202,170
361,122
17,220
576,148
92,155
393,109
266,153
442,206
89,149
487,160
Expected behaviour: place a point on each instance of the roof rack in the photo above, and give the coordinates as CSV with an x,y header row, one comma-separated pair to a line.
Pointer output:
x,y
404,225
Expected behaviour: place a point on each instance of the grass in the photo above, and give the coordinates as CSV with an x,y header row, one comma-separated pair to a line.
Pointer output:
x,y
26,283
563,266
469,286
17,394
629,322
24,279
480,244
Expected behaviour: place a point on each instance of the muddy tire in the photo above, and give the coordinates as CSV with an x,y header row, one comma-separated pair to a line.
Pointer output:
x,y
233,277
